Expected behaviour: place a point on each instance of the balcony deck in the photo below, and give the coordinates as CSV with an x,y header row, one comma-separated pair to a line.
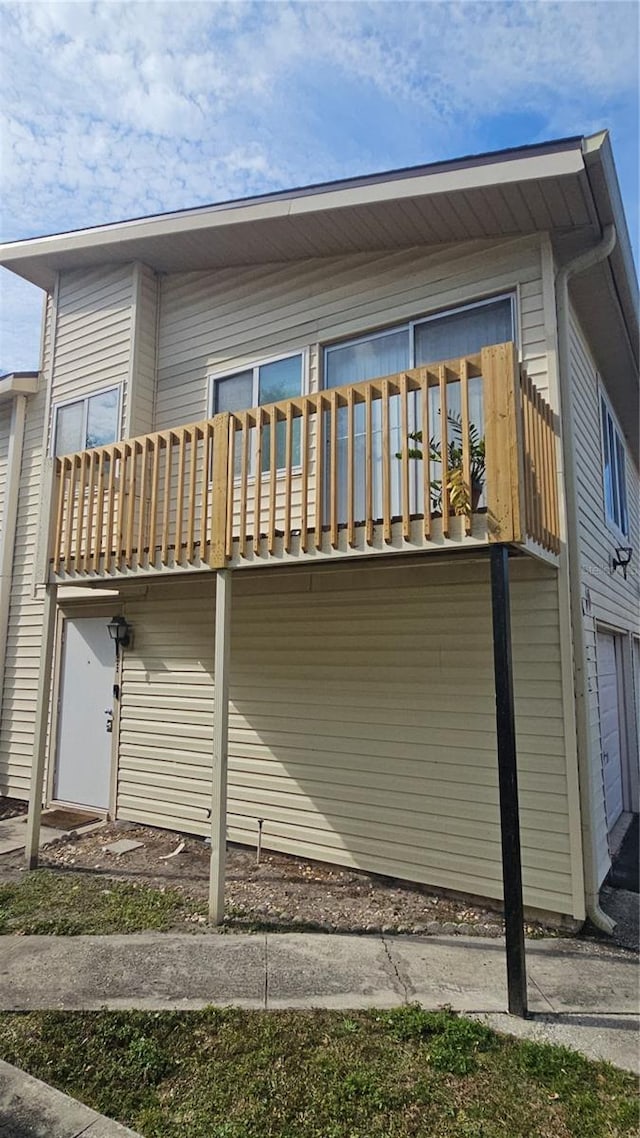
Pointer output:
x,y
347,477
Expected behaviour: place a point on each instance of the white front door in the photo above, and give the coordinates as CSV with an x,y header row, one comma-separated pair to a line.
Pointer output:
x,y
610,730
83,761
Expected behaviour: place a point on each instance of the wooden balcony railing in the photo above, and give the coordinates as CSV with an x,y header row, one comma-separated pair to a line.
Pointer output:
x,y
460,451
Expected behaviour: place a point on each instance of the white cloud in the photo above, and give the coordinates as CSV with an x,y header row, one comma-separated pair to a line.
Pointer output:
x,y
118,109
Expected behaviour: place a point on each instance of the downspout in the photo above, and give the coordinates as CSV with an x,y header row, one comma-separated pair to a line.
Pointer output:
x,y
586,260
9,519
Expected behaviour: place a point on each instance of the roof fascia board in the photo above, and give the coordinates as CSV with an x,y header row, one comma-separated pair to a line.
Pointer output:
x,y
516,169
18,383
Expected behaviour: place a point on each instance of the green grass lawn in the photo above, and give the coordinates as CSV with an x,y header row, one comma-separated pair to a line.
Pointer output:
x,y
75,903
304,1074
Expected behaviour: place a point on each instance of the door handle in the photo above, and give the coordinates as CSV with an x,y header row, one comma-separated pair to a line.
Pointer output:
x,y
109,723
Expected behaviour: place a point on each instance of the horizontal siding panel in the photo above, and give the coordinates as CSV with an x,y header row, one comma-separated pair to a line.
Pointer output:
x,y
348,761
613,600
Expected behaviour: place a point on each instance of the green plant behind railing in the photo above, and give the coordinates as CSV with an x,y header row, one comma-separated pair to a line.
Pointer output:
x,y
462,496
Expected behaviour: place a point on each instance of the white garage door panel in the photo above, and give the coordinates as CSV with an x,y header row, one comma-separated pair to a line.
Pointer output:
x,y
610,734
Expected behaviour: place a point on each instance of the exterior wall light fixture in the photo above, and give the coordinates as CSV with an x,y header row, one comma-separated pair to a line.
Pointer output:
x,y
120,632
622,558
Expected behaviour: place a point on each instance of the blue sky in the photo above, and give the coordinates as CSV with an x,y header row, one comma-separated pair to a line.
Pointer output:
x,y
114,110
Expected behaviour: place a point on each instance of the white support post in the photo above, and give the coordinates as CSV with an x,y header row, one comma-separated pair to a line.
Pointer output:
x,y
38,760
220,746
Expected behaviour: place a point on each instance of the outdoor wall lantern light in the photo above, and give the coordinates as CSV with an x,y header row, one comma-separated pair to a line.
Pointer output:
x,y
120,632
622,558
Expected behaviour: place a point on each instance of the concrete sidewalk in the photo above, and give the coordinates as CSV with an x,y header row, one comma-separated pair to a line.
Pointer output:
x,y
31,1109
581,994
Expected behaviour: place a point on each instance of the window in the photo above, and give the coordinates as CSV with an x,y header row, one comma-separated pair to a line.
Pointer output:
x,y
613,463
444,336
449,335
86,423
256,386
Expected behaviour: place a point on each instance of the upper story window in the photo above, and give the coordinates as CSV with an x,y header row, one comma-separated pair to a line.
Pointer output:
x,y
88,422
263,383
447,335
613,464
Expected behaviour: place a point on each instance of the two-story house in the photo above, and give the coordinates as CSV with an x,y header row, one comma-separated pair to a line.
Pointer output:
x,y
312,415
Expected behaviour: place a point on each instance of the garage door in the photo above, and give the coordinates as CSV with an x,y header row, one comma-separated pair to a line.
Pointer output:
x,y
610,732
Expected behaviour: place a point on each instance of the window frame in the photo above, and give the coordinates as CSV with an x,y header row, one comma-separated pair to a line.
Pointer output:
x,y
511,294
228,373
610,522
84,399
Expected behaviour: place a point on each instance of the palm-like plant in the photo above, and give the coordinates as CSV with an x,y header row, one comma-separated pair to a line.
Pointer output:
x,y
462,496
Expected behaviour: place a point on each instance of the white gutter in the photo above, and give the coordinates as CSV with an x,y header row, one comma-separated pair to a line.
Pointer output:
x,y
586,260
9,518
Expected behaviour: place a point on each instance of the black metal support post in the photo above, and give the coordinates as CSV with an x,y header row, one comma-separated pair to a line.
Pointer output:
x,y
508,782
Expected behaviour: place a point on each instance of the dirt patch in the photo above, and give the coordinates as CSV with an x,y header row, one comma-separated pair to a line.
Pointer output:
x,y
283,892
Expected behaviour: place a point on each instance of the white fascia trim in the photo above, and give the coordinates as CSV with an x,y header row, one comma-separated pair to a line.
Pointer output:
x,y
516,169
12,385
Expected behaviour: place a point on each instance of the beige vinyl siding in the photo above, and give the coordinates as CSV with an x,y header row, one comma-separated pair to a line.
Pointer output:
x,y
24,637
607,597
144,352
5,432
217,321
93,340
362,722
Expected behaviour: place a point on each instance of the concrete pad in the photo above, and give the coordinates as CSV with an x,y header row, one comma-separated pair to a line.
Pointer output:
x,y
154,971
13,835
610,1037
579,977
123,846
31,1109
319,971
469,973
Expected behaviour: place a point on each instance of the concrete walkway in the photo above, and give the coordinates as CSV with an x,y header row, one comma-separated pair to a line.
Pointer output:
x,y
583,995
31,1109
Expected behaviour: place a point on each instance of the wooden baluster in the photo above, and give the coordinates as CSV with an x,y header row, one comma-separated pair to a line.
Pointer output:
x,y
426,450
550,480
111,542
153,503
351,520
244,478
257,484
131,512
61,471
219,497
141,537
466,445
444,445
546,472
333,468
71,512
194,438
555,513
205,480
88,553
273,479
231,483
525,388
539,469
123,501
319,405
81,543
404,419
305,444
288,463
168,478
99,511
386,460
368,463
181,439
